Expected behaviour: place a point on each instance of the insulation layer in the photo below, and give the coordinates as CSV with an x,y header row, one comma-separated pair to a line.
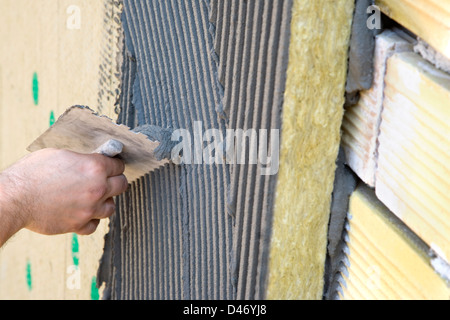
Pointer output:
x,y
312,117
361,125
429,19
414,152
198,231
386,260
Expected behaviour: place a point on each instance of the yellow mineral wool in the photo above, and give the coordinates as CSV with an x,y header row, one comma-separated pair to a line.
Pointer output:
x,y
312,117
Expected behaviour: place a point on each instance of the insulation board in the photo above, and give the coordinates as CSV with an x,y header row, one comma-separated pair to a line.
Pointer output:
x,y
312,118
385,259
361,125
428,19
414,152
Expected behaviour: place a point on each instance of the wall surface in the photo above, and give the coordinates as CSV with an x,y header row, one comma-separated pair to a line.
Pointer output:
x,y
50,57
199,231
275,70
385,259
396,139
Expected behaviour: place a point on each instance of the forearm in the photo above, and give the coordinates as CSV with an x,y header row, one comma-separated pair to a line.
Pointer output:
x,y
8,227
10,224
57,191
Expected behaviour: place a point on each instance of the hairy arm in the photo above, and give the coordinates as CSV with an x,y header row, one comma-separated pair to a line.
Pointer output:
x,y
58,191
8,224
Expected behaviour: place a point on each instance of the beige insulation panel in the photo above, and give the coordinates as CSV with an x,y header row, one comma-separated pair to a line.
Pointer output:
x,y
413,175
50,60
428,19
362,121
385,260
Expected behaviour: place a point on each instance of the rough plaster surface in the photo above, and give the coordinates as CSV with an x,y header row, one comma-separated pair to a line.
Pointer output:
x,y
198,231
110,59
163,136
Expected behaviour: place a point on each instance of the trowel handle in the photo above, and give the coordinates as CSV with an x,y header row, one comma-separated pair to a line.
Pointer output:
x,y
111,148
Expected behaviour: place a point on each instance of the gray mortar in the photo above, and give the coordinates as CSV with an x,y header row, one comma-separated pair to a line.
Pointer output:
x,y
222,63
161,135
361,55
344,185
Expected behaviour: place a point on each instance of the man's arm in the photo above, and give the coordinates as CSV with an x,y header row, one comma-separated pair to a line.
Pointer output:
x,y
8,225
58,191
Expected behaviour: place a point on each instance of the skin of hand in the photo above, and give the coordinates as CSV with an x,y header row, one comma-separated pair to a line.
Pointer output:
x,y
54,191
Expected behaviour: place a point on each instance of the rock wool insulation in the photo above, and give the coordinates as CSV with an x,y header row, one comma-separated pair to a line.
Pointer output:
x,y
312,118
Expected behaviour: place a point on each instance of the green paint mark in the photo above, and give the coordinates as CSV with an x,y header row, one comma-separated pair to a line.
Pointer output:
x,y
28,276
75,250
35,89
94,290
52,118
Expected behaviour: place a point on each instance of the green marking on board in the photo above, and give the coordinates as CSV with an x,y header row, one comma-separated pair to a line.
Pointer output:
x,y
94,290
75,250
52,118
28,276
35,89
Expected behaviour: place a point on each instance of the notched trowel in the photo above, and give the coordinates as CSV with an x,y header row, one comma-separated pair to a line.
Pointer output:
x,y
81,130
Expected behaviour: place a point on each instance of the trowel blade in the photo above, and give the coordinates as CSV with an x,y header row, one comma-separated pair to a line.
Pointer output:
x,y
81,130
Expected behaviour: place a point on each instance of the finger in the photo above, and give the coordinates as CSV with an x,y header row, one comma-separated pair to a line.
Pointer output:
x,y
116,186
114,167
89,228
106,210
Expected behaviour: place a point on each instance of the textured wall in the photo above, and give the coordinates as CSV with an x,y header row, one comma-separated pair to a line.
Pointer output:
x,y
198,231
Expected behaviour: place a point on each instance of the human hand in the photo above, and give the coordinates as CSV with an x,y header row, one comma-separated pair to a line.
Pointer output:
x,y
58,191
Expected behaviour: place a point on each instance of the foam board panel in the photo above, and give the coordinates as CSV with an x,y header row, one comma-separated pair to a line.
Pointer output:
x,y
414,152
428,19
385,259
361,125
